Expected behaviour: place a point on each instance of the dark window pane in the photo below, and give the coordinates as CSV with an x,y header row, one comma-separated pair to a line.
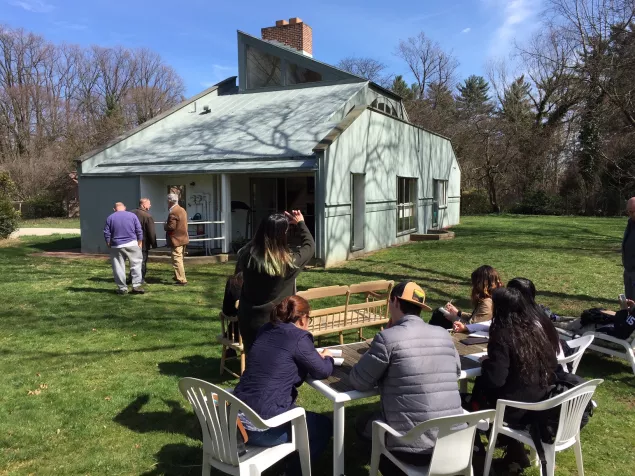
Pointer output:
x,y
263,70
298,75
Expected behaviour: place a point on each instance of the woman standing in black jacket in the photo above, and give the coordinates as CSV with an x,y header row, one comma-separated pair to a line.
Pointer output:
x,y
269,270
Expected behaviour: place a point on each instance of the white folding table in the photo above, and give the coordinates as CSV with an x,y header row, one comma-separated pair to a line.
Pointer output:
x,y
337,388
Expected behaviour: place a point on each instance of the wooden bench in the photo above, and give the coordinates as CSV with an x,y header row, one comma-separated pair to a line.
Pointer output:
x,y
349,315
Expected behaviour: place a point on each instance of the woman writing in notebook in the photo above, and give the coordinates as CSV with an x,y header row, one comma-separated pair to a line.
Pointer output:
x,y
485,280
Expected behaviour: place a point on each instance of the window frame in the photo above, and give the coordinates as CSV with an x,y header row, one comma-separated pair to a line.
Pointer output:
x,y
443,196
407,185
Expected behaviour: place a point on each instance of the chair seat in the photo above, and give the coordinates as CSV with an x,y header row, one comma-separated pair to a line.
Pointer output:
x,y
229,343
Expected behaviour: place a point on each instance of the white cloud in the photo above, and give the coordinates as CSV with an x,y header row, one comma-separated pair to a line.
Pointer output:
x,y
219,72
466,30
35,6
70,26
519,18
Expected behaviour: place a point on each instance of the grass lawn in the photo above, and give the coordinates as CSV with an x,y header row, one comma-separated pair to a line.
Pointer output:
x,y
89,378
50,223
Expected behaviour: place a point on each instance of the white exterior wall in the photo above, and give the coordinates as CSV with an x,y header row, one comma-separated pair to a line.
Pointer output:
x,y
384,149
98,196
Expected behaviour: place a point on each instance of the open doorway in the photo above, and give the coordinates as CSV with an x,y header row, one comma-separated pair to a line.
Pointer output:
x,y
275,195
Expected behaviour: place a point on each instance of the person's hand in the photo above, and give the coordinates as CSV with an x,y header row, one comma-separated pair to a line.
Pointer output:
x,y
108,244
483,358
140,243
458,326
630,304
294,217
452,309
325,353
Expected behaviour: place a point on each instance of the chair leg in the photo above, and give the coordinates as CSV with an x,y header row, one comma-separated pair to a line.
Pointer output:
x,y
361,334
631,358
577,448
374,458
550,456
223,354
242,362
341,338
207,467
490,451
301,437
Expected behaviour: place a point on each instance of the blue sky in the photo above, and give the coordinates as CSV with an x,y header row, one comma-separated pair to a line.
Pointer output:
x,y
198,38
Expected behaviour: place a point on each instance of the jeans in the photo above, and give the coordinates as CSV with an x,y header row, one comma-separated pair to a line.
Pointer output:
x,y
320,430
629,284
118,260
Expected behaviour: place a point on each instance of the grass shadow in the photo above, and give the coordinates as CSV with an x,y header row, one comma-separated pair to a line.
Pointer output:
x,y
60,244
198,366
176,420
178,460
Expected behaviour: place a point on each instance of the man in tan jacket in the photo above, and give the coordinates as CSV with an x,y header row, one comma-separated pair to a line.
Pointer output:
x,y
177,237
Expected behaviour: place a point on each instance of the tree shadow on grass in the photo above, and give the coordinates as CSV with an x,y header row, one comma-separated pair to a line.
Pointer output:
x,y
60,244
76,289
199,366
176,420
178,460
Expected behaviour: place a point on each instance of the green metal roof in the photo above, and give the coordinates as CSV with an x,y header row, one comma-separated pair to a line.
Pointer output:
x,y
241,132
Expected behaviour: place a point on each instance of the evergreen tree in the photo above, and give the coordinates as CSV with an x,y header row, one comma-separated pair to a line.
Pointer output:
x,y
399,86
473,97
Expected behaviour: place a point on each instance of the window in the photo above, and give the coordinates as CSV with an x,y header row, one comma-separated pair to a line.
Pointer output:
x,y
440,193
384,107
406,205
263,70
298,75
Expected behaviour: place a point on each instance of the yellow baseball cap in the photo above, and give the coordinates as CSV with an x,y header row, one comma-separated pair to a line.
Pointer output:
x,y
413,293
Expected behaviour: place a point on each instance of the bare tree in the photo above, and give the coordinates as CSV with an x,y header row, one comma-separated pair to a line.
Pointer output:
x,y
367,68
428,62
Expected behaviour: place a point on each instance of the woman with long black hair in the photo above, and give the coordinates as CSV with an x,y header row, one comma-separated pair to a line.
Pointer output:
x,y
520,361
269,270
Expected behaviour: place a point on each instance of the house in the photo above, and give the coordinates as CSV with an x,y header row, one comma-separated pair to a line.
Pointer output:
x,y
289,133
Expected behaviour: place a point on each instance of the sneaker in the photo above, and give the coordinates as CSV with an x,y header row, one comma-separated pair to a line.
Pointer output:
x,y
121,292
138,290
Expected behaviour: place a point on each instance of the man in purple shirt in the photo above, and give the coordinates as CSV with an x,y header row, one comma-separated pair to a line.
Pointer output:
x,y
124,237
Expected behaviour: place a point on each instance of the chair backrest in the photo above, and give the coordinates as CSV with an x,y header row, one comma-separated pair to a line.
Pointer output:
x,y
573,403
217,411
324,292
381,285
455,441
580,344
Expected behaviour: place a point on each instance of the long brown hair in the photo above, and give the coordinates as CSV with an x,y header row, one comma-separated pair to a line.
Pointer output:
x,y
485,280
290,310
268,250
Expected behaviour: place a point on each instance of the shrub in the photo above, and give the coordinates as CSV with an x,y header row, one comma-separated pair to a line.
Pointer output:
x,y
475,202
539,202
42,207
9,218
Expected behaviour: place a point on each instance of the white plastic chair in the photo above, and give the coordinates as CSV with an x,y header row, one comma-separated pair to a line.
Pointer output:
x,y
453,449
629,346
217,416
572,402
581,343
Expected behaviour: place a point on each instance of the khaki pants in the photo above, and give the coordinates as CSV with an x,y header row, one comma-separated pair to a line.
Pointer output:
x,y
177,264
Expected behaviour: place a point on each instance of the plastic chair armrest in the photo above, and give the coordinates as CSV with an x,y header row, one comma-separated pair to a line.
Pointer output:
x,y
501,404
386,428
608,338
286,417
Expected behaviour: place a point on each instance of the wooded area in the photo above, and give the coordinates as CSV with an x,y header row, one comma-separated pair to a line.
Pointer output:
x,y
59,101
549,131
557,138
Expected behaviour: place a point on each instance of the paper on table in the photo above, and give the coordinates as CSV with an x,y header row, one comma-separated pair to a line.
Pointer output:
x,y
479,334
337,361
334,352
476,356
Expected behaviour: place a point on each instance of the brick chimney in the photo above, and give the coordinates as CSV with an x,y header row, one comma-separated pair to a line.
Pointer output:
x,y
293,33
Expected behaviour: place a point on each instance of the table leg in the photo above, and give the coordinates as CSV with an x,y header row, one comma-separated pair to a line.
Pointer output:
x,y
338,438
463,385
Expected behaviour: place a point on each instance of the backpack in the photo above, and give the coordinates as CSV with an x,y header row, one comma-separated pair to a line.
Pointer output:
x,y
438,319
595,316
544,424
